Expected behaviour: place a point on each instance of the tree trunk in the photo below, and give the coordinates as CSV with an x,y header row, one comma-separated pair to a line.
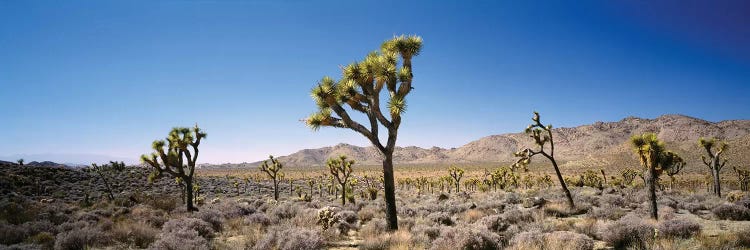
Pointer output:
x,y
651,182
389,192
562,183
275,190
717,180
343,194
189,192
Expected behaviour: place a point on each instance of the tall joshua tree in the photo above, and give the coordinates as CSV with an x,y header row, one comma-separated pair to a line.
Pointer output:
x,y
20,162
655,159
542,135
359,91
273,171
341,169
178,160
714,163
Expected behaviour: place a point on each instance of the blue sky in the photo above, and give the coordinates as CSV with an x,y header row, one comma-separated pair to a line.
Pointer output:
x,y
109,77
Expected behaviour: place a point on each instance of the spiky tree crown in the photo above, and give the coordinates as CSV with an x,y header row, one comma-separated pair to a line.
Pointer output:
x,y
173,161
272,169
652,153
456,172
340,167
361,84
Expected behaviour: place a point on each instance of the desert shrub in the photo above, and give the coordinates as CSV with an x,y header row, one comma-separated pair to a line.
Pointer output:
x,y
258,218
347,216
515,216
743,237
678,229
568,240
562,210
613,200
68,226
148,215
22,246
494,223
586,226
606,211
181,239
442,218
367,213
163,202
629,231
81,238
731,212
431,232
512,198
204,229
291,239
374,228
139,234
10,234
213,217
701,201
44,239
528,240
745,202
467,238
284,211
231,209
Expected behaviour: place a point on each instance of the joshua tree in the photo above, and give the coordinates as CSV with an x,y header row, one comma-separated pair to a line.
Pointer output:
x,y
628,176
360,90
104,173
655,159
542,135
713,161
679,163
456,174
273,171
341,169
20,162
177,160
743,177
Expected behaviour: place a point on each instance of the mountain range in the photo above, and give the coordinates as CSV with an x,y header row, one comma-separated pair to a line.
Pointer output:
x,y
601,144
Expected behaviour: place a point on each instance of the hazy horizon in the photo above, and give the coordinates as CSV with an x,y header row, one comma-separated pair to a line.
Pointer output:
x,y
105,79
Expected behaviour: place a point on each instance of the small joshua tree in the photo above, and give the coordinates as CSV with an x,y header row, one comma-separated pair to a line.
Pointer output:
x,y
274,172
743,177
20,162
654,159
542,135
177,160
105,172
628,176
714,150
341,169
456,174
679,163
359,91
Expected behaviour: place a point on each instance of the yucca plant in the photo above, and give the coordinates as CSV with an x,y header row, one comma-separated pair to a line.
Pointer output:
x,y
273,170
341,169
178,160
359,91
542,135
677,164
714,150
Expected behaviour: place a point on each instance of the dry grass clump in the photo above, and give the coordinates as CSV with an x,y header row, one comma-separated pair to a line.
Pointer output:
x,y
552,240
81,238
562,210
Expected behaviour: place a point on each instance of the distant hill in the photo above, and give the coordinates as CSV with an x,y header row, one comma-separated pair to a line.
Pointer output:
x,y
601,144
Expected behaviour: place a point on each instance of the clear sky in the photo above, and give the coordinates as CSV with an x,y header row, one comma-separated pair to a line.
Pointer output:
x,y
109,77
